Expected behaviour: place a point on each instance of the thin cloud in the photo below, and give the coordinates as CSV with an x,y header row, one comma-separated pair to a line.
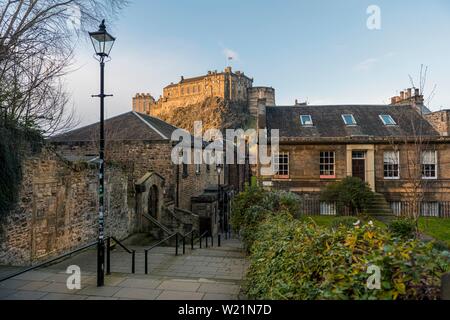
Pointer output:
x,y
366,64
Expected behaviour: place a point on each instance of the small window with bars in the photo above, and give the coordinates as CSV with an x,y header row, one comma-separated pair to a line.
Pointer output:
x,y
281,165
327,165
430,209
429,165
391,165
327,209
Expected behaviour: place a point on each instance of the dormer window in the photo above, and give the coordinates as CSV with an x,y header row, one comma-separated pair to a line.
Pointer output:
x,y
349,119
306,120
387,120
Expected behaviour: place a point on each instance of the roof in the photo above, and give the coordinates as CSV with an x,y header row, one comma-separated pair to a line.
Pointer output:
x,y
125,127
328,122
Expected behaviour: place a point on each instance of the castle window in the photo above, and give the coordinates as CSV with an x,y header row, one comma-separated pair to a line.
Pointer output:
x,y
182,90
327,165
281,165
391,165
429,165
306,120
387,120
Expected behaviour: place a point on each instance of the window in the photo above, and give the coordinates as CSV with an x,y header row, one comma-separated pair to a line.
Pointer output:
x,y
391,165
306,120
396,207
349,119
281,165
430,209
327,209
429,165
327,164
387,120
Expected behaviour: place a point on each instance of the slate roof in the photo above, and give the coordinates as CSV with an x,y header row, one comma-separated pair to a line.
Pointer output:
x,y
329,125
129,126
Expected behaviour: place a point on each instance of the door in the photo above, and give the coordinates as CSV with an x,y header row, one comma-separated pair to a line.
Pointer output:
x,y
153,202
359,165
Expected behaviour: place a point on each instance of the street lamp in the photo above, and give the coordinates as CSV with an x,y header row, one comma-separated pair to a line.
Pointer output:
x,y
103,43
219,168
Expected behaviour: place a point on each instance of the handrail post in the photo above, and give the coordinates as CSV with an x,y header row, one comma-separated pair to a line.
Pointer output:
x,y
176,244
206,238
212,240
218,240
108,256
146,262
184,245
200,238
133,260
192,241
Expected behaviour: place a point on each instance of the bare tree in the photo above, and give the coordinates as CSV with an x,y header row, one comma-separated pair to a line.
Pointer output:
x,y
37,38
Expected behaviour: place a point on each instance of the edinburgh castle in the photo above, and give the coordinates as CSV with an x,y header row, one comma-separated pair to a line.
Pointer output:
x,y
210,96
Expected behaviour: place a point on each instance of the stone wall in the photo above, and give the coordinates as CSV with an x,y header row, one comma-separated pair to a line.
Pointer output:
x,y
57,211
440,120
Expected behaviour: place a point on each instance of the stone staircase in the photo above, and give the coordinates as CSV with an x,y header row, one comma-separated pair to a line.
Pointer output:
x,y
379,208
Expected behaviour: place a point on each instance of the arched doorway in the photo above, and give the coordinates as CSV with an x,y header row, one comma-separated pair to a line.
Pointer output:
x,y
153,200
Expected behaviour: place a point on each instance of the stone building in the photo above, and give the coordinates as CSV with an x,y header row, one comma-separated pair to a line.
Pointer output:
x,y
146,192
381,144
143,102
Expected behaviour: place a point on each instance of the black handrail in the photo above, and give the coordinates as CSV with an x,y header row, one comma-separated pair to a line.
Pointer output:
x,y
49,261
108,255
153,247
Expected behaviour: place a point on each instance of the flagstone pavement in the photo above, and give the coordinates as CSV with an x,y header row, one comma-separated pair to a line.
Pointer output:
x,y
201,274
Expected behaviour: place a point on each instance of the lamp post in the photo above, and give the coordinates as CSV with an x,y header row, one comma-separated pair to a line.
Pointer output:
x,y
219,168
103,43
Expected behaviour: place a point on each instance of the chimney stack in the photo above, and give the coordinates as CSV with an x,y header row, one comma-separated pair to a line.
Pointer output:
x,y
408,93
416,92
402,95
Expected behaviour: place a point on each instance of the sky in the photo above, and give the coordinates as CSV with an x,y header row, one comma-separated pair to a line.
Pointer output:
x,y
317,51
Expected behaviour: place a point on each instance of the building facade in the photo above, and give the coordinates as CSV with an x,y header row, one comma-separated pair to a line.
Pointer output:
x,y
397,149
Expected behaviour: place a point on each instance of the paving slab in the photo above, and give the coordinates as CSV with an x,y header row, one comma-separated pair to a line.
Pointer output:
x,y
179,285
180,295
25,295
137,293
105,291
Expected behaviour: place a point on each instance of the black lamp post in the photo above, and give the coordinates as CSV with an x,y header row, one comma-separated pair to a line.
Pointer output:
x,y
103,43
219,169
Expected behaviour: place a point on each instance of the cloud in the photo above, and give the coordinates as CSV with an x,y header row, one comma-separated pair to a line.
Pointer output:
x,y
231,54
367,64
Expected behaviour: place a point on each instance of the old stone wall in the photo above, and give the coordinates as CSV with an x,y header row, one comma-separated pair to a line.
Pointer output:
x,y
57,211
440,120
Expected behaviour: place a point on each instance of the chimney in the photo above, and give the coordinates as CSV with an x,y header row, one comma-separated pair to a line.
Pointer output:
x,y
261,113
182,78
402,95
408,93
416,92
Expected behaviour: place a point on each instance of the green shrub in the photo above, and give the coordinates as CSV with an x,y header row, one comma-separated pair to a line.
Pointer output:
x,y
403,228
298,260
344,221
351,192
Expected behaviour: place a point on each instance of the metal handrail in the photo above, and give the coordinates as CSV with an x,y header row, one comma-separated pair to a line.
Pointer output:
x,y
40,265
153,247
108,255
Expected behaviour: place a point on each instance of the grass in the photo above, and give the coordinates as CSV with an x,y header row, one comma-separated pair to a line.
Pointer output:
x,y
437,228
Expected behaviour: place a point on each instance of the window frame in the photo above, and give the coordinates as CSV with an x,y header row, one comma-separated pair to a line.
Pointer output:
x,y
276,162
327,176
305,123
394,123
397,177
354,123
435,177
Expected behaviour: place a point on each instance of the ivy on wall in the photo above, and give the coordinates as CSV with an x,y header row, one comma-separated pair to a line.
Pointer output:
x,y
14,144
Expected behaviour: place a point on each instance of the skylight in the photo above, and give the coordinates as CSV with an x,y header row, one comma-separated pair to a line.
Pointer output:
x,y
349,119
387,120
306,120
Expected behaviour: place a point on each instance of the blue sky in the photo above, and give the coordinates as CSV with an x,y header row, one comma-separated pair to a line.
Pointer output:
x,y
320,51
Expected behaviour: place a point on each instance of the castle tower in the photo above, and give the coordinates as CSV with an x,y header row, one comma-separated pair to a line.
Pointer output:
x,y
142,102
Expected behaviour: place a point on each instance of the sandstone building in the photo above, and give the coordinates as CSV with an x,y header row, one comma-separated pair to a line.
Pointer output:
x,y
228,86
400,150
145,190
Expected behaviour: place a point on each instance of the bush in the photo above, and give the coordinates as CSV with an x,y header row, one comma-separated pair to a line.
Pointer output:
x,y
344,221
403,228
351,192
302,261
